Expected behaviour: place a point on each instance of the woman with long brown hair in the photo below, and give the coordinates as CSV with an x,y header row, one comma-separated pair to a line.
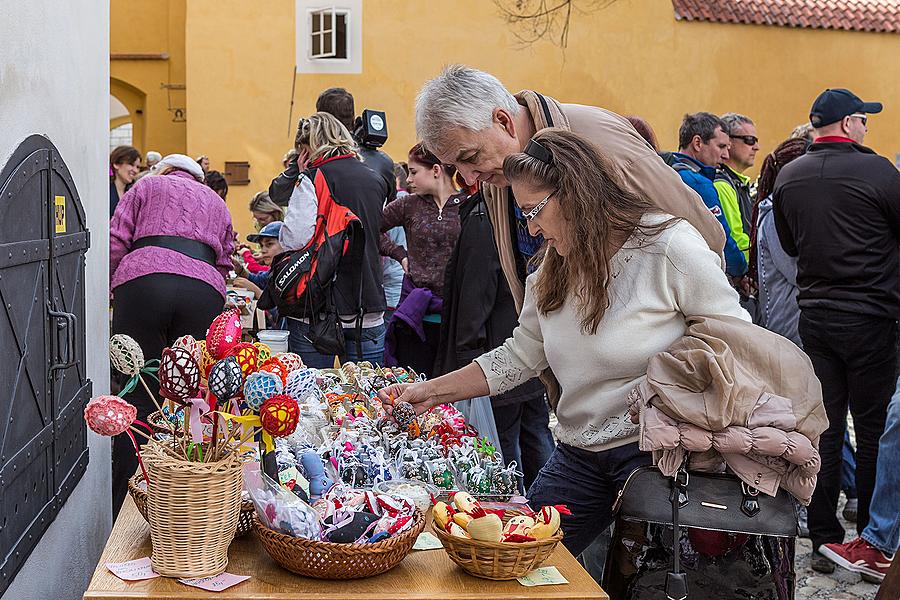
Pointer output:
x,y
616,283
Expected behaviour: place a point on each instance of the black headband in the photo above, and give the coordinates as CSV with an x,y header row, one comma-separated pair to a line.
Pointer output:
x,y
534,149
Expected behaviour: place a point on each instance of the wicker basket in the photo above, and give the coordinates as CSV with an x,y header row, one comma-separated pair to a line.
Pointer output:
x,y
495,560
192,509
328,560
158,423
138,492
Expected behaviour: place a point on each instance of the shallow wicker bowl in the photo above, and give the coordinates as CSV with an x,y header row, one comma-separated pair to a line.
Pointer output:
x,y
138,492
329,560
496,560
158,423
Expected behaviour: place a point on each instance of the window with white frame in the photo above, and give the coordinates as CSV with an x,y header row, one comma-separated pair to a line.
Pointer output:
x,y
329,37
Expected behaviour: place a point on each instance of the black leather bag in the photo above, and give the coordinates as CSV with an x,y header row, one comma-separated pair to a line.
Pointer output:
x,y
732,542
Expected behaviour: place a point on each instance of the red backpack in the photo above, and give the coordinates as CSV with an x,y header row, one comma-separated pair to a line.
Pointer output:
x,y
301,281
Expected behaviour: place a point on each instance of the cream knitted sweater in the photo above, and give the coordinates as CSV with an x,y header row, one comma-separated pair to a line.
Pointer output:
x,y
656,284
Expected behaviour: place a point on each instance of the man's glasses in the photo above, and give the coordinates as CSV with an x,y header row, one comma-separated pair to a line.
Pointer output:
x,y
861,116
531,214
750,140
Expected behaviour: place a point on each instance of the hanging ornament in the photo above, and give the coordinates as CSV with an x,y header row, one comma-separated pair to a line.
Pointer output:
x,y
264,353
289,360
259,387
224,333
246,355
179,375
301,384
225,379
189,343
279,415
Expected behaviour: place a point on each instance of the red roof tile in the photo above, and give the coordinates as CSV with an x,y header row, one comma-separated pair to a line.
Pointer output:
x,y
850,15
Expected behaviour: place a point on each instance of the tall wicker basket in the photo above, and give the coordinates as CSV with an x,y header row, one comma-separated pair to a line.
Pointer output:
x,y
193,511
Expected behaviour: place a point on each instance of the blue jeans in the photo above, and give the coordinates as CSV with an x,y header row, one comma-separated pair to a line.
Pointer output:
x,y
848,468
372,345
525,436
588,483
883,530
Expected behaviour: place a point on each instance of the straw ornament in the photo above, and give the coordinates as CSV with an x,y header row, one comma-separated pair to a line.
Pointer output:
x,y
224,333
179,375
279,415
259,387
189,343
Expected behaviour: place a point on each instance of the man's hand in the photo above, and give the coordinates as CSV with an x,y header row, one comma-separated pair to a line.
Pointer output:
x,y
405,264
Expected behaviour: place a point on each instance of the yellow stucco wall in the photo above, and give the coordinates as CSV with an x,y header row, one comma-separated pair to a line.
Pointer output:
x,y
632,57
147,27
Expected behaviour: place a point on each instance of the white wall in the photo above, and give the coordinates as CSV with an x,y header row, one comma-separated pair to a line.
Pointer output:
x,y
54,80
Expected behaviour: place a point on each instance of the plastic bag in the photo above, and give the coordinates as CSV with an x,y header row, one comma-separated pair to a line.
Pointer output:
x,y
478,413
280,509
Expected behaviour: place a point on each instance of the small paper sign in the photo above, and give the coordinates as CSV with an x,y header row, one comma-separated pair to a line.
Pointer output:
x,y
427,541
220,582
133,570
543,576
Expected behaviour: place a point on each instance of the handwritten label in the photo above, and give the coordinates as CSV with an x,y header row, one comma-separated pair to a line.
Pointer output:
x,y
220,582
133,570
543,576
427,541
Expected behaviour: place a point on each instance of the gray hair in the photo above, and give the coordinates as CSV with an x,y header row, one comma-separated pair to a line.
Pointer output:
x,y
459,97
733,120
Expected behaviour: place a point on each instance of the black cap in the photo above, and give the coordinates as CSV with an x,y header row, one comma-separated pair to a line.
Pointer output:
x,y
833,105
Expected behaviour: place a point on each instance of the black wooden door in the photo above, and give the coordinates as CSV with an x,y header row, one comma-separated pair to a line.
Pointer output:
x,y
43,384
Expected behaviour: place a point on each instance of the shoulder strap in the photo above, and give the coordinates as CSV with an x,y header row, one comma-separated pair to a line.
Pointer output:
x,y
545,108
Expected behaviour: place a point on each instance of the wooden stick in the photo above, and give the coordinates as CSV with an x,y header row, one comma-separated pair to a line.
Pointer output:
x,y
149,393
138,431
244,440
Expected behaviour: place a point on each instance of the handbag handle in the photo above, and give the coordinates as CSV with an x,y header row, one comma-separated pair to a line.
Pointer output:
x,y
676,581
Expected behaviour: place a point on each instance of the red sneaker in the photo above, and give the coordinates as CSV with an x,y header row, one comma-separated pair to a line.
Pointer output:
x,y
858,556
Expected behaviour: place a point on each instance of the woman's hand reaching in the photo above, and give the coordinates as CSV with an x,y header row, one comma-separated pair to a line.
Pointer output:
x,y
419,395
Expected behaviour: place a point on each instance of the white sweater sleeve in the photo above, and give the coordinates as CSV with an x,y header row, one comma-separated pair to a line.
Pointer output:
x,y
521,357
300,220
695,277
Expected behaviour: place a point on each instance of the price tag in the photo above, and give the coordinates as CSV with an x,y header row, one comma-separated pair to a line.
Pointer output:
x,y
133,570
543,576
220,582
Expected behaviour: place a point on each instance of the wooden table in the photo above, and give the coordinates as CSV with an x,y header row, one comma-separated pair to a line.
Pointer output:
x,y
423,574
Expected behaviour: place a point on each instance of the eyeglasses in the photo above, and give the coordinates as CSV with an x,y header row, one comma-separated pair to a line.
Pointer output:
x,y
864,118
531,214
750,140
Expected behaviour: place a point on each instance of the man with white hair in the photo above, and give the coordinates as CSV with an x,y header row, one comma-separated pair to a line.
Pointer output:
x,y
470,120
153,157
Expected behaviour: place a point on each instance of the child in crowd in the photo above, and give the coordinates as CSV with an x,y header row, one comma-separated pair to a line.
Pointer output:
x,y
267,238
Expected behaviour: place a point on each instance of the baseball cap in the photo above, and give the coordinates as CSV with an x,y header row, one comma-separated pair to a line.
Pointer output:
x,y
832,105
272,230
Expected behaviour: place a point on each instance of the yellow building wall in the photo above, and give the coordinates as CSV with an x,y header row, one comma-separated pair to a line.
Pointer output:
x,y
632,57
150,28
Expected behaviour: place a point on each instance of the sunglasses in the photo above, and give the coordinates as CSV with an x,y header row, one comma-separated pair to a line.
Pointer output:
x,y
531,214
750,140
861,116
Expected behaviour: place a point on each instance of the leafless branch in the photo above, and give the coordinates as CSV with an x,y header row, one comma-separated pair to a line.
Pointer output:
x,y
533,20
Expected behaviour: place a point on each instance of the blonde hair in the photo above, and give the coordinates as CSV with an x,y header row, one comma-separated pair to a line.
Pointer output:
x,y
325,136
262,203
601,215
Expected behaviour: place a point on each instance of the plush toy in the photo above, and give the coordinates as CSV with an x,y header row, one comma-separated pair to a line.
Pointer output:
x,y
319,483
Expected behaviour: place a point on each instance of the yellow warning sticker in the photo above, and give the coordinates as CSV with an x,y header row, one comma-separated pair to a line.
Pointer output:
x,y
60,214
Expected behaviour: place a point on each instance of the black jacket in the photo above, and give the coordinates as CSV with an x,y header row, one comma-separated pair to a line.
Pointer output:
x,y
479,313
358,188
837,209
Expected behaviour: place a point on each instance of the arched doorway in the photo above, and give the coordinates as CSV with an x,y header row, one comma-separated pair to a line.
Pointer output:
x,y
126,111
121,130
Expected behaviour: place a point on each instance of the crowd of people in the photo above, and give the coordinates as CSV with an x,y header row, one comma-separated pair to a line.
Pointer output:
x,y
540,254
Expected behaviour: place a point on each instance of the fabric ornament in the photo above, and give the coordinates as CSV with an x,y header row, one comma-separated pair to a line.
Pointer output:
x,y
289,360
109,415
224,333
301,384
279,415
225,379
246,355
179,375
259,387
263,353
189,343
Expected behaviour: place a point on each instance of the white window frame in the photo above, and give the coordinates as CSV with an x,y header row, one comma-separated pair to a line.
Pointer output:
x,y
325,61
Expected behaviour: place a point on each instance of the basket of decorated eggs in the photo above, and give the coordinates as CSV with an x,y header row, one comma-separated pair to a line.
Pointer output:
x,y
487,545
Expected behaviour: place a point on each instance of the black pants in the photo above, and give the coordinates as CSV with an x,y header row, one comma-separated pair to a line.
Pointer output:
x,y
413,352
854,357
155,310
524,430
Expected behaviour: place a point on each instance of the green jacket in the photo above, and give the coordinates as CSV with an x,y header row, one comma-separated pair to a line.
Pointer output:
x,y
728,198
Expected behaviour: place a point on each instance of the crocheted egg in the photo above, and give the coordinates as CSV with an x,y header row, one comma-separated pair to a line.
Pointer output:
x,y
225,378
279,415
263,353
273,365
289,360
246,355
179,375
109,415
189,343
125,354
301,384
259,387
224,333
206,360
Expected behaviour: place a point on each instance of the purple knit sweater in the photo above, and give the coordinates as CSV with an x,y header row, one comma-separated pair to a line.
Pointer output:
x,y
174,204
